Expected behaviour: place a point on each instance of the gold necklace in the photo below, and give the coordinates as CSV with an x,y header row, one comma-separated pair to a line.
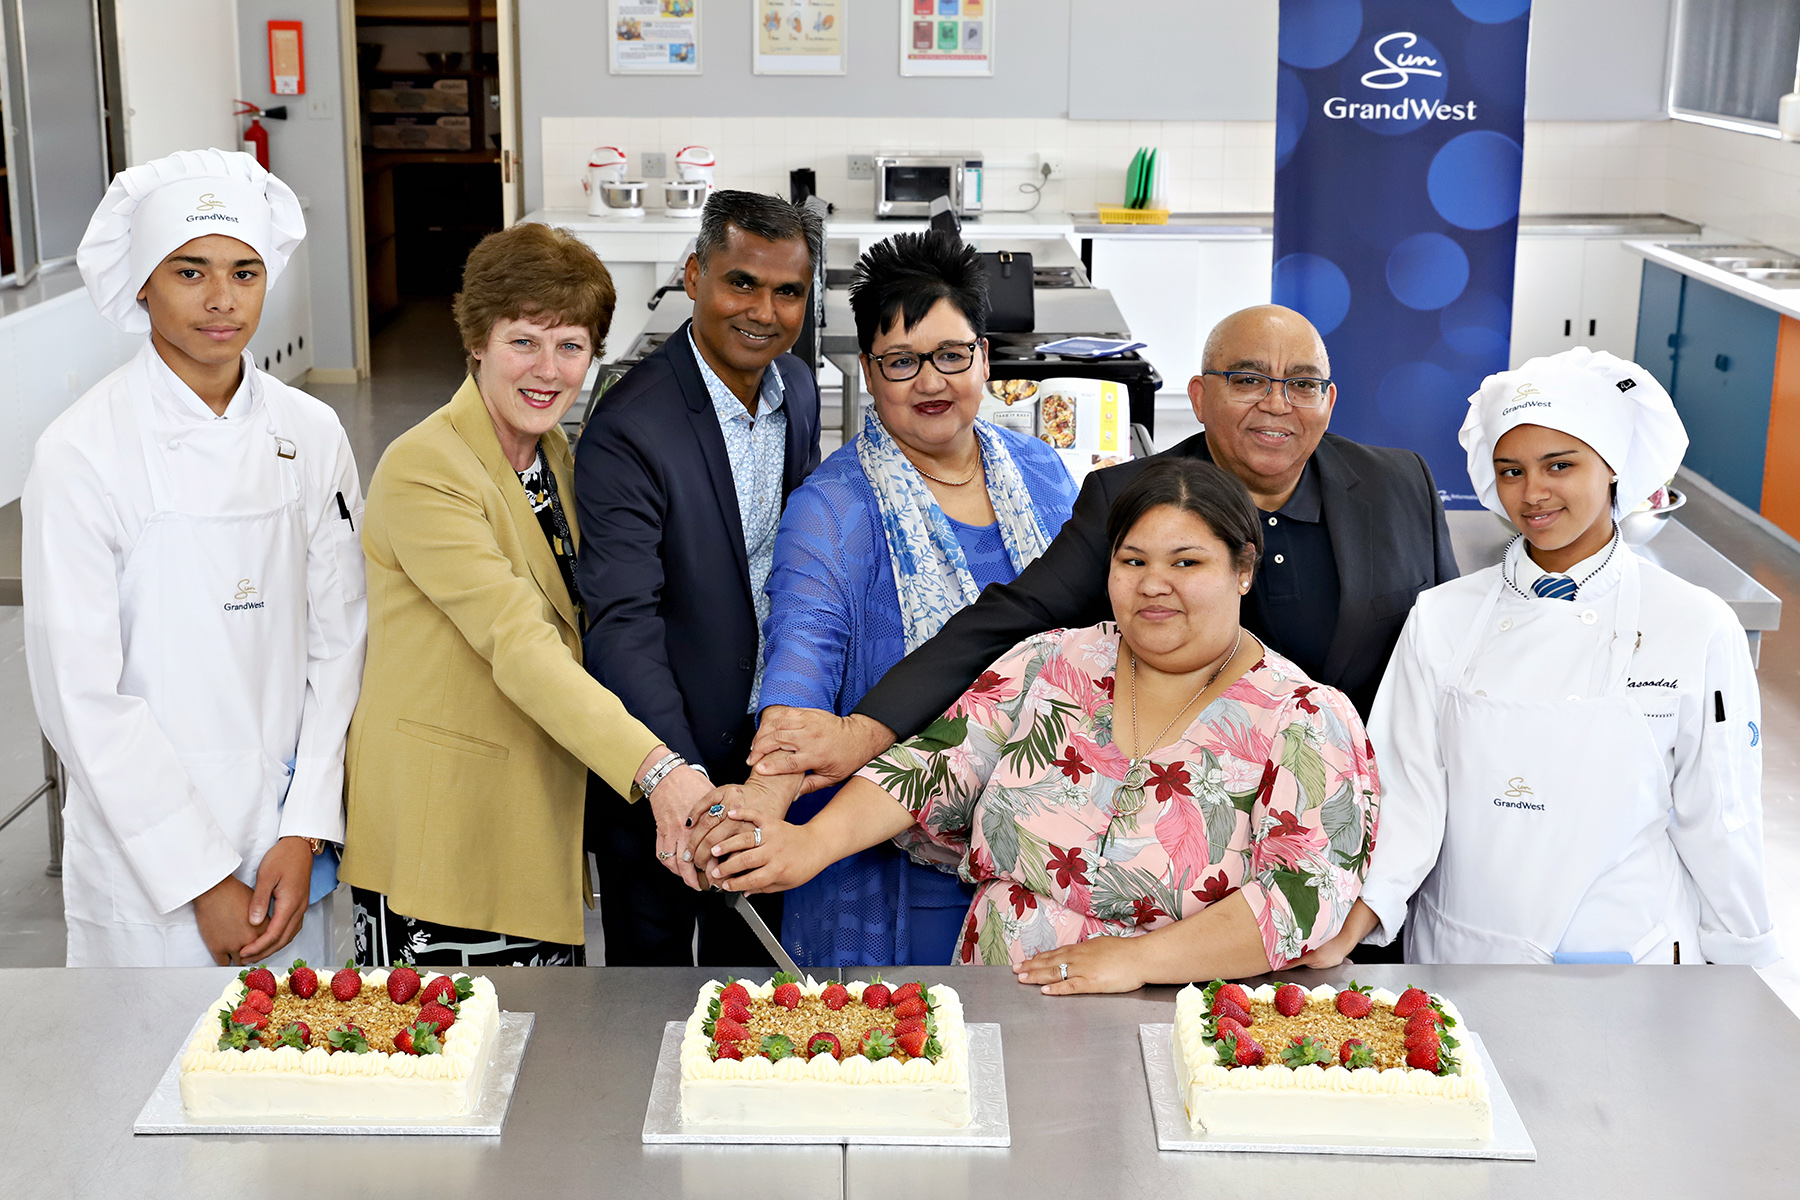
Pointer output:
x,y
1129,798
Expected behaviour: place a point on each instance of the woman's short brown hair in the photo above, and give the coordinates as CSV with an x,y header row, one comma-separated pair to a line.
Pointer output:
x,y
538,272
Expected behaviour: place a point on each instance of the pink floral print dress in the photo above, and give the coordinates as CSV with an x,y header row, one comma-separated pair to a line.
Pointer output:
x,y
1272,791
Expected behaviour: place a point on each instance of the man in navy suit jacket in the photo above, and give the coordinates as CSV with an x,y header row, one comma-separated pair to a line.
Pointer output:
x,y
680,478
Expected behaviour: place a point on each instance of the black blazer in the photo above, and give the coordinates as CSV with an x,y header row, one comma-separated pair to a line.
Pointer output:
x,y
1387,532
662,567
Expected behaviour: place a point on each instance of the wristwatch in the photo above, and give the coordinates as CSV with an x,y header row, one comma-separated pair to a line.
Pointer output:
x,y
317,844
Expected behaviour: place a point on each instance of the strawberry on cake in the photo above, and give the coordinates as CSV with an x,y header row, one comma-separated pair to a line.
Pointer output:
x,y
1286,1061
792,1053
382,1045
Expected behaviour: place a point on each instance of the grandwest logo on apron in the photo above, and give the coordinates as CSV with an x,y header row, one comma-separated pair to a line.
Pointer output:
x,y
242,600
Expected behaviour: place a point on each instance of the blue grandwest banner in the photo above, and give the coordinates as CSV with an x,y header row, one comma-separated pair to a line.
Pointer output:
x,y
1397,165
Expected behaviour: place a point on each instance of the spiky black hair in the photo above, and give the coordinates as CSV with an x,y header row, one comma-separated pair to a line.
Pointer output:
x,y
906,275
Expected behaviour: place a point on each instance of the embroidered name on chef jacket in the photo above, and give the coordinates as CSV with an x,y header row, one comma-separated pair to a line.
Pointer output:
x,y
242,600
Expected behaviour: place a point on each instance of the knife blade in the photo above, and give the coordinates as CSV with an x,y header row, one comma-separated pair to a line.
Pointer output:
x,y
752,918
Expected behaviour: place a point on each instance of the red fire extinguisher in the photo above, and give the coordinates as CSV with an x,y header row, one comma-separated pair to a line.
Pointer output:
x,y
256,138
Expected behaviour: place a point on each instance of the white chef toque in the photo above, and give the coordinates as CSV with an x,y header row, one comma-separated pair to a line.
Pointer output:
x,y
152,210
1614,406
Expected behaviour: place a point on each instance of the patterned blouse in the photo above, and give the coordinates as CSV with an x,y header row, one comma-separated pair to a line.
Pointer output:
x,y
1271,791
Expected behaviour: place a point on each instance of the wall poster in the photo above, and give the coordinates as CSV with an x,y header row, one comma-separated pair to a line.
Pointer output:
x,y
947,37
655,37
798,37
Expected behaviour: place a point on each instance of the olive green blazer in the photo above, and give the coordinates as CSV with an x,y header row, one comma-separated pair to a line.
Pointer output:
x,y
468,756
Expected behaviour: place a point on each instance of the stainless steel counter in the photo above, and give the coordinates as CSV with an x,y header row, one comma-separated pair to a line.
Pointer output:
x,y
1617,1087
1479,538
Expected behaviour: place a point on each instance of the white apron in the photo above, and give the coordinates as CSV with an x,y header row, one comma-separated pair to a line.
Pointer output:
x,y
1555,829
213,614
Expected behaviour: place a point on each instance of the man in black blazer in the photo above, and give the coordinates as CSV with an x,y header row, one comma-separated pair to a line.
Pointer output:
x,y
1353,533
680,477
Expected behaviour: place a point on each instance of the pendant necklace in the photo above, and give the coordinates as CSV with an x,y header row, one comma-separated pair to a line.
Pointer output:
x,y
1129,798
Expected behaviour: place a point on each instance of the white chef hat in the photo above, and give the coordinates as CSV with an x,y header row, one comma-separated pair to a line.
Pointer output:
x,y
152,210
1614,406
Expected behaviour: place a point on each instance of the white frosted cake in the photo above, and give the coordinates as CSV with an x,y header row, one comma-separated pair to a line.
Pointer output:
x,y
328,1050
1325,1063
791,1054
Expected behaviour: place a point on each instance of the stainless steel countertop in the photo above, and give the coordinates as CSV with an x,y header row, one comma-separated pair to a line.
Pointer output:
x,y
1615,1088
1479,538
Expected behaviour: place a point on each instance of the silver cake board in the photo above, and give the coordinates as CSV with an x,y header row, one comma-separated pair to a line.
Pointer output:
x,y
163,1114
1173,1132
987,1103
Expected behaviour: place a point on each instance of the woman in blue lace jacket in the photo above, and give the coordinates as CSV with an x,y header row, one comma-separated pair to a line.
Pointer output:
x,y
879,547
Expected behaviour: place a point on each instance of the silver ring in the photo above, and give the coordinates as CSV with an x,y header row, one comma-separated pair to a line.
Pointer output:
x,y
758,835
665,854
1062,970
717,810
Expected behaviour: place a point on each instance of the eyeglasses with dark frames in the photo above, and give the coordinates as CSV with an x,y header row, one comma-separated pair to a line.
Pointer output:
x,y
1250,387
897,366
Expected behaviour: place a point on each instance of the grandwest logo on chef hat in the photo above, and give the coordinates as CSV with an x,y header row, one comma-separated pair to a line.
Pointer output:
x,y
150,211
1613,405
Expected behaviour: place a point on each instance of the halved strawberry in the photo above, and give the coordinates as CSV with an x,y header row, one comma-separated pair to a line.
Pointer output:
x,y
877,994
244,1014
727,1030
912,1006
438,988
260,980
347,982
1411,1001
907,991
438,1016
1354,1001
1290,998
835,996
303,981
403,983
824,1043
261,1001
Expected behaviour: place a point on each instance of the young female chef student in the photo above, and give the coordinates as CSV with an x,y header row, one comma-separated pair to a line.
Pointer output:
x,y
194,621
1569,740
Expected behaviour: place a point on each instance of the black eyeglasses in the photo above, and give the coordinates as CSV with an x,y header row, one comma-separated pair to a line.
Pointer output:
x,y
1249,387
897,366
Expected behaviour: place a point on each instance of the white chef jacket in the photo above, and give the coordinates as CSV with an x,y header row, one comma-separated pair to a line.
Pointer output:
x,y
87,498
1691,666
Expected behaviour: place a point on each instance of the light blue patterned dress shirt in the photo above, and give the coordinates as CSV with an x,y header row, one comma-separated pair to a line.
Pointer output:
x,y
757,448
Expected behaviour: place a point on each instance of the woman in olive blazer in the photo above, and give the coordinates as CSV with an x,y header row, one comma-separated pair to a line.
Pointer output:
x,y
469,750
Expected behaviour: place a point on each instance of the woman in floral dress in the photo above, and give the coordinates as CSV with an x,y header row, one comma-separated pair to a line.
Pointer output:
x,y
1107,854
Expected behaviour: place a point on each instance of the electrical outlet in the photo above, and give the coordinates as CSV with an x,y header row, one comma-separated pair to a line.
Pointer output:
x,y
1050,166
656,164
320,108
862,166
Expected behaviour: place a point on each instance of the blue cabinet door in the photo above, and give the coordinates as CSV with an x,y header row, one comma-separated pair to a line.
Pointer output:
x,y
1724,373
1659,321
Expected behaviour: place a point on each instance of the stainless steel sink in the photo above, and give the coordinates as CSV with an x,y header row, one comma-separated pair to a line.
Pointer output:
x,y
1782,278
1763,264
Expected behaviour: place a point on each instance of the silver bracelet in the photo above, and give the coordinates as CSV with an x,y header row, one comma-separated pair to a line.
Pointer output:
x,y
657,773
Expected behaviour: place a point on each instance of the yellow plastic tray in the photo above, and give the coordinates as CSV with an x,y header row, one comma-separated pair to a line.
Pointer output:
x,y
1118,214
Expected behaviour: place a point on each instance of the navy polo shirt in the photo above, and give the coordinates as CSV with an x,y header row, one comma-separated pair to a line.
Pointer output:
x,y
1292,606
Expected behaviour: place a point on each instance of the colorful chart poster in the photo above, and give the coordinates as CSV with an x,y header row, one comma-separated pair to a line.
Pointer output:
x,y
947,37
799,37
655,37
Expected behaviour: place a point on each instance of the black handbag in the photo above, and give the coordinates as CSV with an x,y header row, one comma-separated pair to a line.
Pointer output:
x,y
1010,305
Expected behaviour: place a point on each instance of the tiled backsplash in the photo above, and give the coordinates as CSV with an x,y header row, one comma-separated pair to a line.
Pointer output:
x,y
1739,182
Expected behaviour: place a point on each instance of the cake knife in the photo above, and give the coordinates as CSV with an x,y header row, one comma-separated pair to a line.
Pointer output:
x,y
752,918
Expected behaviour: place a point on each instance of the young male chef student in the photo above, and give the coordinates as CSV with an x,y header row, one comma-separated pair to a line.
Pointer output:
x,y
194,617
1569,740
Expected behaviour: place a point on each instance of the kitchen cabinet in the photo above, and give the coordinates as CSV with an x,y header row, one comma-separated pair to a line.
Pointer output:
x,y
1724,373
1173,290
1574,291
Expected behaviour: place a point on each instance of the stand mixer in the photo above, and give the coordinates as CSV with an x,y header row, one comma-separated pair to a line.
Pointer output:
x,y
609,193
686,194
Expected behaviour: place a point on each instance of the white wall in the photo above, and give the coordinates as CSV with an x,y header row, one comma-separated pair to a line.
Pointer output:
x,y
307,152
178,75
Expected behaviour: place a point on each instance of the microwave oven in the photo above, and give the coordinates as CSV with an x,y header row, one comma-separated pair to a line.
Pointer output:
x,y
906,184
